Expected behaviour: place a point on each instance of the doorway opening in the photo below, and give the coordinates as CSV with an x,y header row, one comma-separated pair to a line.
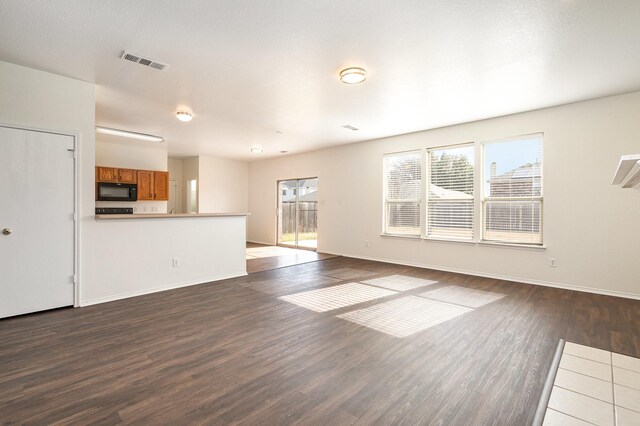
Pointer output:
x,y
298,213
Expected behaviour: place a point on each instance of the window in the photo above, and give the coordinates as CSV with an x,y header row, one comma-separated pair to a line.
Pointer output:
x,y
402,193
501,203
450,202
512,190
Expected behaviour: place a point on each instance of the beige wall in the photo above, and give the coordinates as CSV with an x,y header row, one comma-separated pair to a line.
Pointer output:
x,y
175,174
222,185
190,171
590,226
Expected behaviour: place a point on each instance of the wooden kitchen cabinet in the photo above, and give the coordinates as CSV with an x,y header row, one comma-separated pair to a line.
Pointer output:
x,y
106,174
161,186
145,185
152,184
127,176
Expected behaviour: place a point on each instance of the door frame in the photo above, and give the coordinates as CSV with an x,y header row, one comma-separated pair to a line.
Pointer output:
x,y
76,198
297,247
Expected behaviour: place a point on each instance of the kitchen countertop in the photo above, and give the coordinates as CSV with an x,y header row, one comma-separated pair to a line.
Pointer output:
x,y
165,215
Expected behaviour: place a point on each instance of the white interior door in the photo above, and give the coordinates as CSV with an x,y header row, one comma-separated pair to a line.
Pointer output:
x,y
36,221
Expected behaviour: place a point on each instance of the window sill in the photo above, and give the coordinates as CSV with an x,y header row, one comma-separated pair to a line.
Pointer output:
x,y
514,246
407,237
451,240
467,242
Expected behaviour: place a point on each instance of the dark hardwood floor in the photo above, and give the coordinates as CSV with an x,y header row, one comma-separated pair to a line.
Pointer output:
x,y
232,352
261,257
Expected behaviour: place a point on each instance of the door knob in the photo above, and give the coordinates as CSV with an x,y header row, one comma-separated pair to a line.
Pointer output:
x,y
7,231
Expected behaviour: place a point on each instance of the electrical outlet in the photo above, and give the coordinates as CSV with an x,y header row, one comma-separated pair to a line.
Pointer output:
x,y
175,262
366,243
552,262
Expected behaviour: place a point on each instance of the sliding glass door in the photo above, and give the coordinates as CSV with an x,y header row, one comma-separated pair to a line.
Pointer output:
x,y
298,213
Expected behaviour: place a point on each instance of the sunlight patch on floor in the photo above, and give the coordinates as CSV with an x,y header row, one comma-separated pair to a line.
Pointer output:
x,y
468,297
348,273
405,316
273,251
338,296
400,282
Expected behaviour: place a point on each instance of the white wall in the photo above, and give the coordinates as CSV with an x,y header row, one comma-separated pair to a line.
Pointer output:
x,y
190,171
139,258
132,155
108,266
47,101
175,174
222,185
590,226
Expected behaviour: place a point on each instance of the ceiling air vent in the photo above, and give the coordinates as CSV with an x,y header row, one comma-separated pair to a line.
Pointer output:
x,y
350,127
143,61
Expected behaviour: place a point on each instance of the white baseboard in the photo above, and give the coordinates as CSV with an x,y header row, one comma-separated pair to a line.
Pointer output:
x,y
127,295
500,277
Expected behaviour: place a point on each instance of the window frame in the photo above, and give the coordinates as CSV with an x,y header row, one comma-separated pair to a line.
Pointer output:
x,y
479,199
420,200
484,199
427,166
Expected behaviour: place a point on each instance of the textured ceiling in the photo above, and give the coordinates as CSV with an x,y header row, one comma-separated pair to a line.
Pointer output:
x,y
251,69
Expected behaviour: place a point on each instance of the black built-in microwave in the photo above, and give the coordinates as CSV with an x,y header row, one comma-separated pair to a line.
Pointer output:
x,y
109,191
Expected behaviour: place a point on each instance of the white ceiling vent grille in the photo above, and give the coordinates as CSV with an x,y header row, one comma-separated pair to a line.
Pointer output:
x,y
128,56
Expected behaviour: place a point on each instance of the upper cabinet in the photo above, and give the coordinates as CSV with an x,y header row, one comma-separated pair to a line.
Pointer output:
x,y
113,174
152,184
145,185
127,176
161,185
106,174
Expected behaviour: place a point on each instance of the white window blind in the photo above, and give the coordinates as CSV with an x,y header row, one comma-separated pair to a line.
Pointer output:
x,y
512,190
402,193
450,202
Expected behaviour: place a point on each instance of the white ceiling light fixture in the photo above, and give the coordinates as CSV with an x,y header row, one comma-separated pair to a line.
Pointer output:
x,y
128,134
184,116
256,150
353,75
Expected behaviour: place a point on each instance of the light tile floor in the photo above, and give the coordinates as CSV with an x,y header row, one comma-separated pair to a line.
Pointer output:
x,y
595,387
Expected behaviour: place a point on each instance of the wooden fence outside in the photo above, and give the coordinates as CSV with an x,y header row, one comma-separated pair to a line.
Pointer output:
x,y
307,217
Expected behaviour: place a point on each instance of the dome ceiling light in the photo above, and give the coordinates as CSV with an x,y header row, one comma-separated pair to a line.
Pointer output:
x,y
184,116
353,75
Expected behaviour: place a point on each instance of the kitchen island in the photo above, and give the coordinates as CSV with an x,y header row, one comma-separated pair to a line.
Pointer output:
x,y
145,253
166,215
